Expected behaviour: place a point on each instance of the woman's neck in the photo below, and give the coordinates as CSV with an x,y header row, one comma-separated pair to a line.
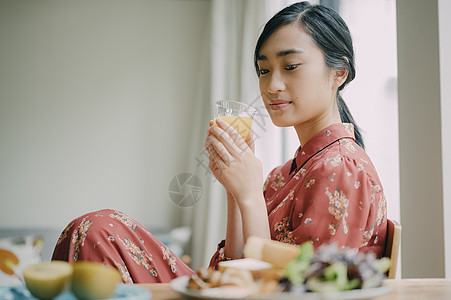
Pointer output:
x,y
307,130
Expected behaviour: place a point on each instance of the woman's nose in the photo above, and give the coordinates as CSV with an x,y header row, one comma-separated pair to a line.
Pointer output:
x,y
275,83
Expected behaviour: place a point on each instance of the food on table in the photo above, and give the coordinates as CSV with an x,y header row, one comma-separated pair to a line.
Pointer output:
x,y
47,280
276,253
8,260
257,268
231,280
92,280
210,278
333,269
295,270
326,269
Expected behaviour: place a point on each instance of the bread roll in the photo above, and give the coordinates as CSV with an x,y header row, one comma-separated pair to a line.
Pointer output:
x,y
276,253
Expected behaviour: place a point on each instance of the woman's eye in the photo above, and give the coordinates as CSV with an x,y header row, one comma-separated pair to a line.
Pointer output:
x,y
263,71
291,67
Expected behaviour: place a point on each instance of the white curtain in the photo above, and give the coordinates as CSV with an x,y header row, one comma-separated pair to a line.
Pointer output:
x,y
228,73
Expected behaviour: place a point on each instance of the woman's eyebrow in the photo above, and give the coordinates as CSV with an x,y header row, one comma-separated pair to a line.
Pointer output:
x,y
289,51
281,53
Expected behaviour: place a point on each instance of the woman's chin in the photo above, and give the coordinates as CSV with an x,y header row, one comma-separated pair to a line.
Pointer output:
x,y
278,121
282,124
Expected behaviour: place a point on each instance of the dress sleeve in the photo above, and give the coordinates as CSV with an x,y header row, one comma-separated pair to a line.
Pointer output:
x,y
340,204
219,256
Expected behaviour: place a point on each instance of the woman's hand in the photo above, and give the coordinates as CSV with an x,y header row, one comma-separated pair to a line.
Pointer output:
x,y
233,162
211,162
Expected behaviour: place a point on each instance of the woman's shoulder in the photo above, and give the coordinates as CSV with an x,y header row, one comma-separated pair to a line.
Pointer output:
x,y
344,155
341,159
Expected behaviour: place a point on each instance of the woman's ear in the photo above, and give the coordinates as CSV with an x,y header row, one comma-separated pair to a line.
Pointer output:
x,y
340,77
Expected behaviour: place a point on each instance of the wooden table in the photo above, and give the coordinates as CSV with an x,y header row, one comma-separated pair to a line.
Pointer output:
x,y
161,291
402,289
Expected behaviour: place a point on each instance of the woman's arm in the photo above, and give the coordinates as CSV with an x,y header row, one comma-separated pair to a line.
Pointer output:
x,y
254,217
244,221
234,164
234,242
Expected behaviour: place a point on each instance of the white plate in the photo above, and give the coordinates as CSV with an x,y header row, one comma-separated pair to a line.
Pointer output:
x,y
180,285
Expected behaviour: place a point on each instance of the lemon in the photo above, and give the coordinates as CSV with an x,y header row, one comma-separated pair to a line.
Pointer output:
x,y
92,280
47,280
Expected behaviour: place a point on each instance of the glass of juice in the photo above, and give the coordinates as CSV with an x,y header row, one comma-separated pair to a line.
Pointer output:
x,y
239,115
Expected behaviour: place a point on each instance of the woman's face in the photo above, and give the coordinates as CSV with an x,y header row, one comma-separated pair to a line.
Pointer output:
x,y
296,86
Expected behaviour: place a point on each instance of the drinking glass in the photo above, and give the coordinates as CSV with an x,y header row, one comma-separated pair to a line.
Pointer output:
x,y
239,115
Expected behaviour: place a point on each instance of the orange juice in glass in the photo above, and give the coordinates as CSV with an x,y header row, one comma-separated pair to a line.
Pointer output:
x,y
238,115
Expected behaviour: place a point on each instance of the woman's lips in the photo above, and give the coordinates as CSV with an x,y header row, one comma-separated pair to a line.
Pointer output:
x,y
276,105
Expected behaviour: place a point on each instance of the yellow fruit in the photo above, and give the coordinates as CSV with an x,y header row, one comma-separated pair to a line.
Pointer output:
x,y
92,280
47,280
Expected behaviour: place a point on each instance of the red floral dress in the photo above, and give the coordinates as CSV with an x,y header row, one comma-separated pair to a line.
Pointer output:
x,y
112,238
329,192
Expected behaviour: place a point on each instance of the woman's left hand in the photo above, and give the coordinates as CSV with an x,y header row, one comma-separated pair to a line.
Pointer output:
x,y
240,169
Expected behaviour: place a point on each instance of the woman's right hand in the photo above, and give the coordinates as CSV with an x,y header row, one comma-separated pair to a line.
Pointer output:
x,y
211,162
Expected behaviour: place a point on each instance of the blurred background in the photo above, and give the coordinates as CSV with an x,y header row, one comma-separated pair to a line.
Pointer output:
x,y
103,104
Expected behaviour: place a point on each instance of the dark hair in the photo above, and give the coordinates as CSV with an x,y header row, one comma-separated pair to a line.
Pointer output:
x,y
331,35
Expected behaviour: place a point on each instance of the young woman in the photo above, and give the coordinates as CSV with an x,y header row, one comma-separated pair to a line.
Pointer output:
x,y
329,191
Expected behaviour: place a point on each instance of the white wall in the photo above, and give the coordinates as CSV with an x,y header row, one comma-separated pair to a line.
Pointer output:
x,y
444,9
95,106
420,136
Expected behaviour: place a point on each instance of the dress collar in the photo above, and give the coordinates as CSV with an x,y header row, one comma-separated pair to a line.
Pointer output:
x,y
320,141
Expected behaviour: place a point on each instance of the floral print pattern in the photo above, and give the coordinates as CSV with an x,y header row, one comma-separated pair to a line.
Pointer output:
x,y
335,160
381,211
338,207
367,234
300,173
124,272
375,188
278,182
124,219
356,184
64,233
283,232
139,256
349,128
170,258
79,237
332,229
309,182
360,167
289,197
348,145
